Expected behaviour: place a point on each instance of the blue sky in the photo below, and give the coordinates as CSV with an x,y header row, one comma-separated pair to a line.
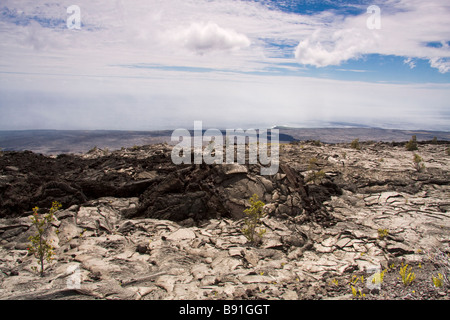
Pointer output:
x,y
162,64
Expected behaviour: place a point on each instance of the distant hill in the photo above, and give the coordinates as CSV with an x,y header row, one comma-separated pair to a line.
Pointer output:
x,y
341,135
81,141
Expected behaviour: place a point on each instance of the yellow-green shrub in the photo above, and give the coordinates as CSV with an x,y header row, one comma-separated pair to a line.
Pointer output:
x,y
355,144
407,275
40,247
252,229
411,145
438,281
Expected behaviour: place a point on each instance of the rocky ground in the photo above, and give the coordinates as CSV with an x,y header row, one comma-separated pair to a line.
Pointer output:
x,y
135,226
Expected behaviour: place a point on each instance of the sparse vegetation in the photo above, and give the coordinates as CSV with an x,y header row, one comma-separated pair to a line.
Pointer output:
x,y
418,163
434,141
252,229
355,144
441,260
438,281
355,279
379,277
353,283
407,275
355,292
412,286
382,233
315,176
40,246
411,145
447,151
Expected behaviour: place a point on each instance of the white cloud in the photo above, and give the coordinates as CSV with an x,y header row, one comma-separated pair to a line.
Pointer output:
x,y
203,37
352,70
410,62
443,65
342,46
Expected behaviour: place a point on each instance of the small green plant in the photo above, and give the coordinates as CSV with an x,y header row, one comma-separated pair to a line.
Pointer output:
x,y
356,292
40,247
434,141
438,281
252,229
447,151
418,163
407,275
81,235
411,145
379,277
355,144
315,176
382,233
317,143
355,279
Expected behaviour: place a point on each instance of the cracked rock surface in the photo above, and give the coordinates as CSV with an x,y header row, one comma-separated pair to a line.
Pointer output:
x,y
135,226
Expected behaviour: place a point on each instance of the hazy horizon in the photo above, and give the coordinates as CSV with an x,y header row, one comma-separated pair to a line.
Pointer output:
x,y
316,126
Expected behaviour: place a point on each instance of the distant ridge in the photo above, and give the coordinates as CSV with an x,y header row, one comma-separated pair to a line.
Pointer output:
x,y
81,141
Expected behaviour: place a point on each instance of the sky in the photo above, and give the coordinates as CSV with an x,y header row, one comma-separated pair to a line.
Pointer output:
x,y
163,64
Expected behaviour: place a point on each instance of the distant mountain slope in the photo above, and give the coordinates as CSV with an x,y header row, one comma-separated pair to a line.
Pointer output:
x,y
80,141
337,135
